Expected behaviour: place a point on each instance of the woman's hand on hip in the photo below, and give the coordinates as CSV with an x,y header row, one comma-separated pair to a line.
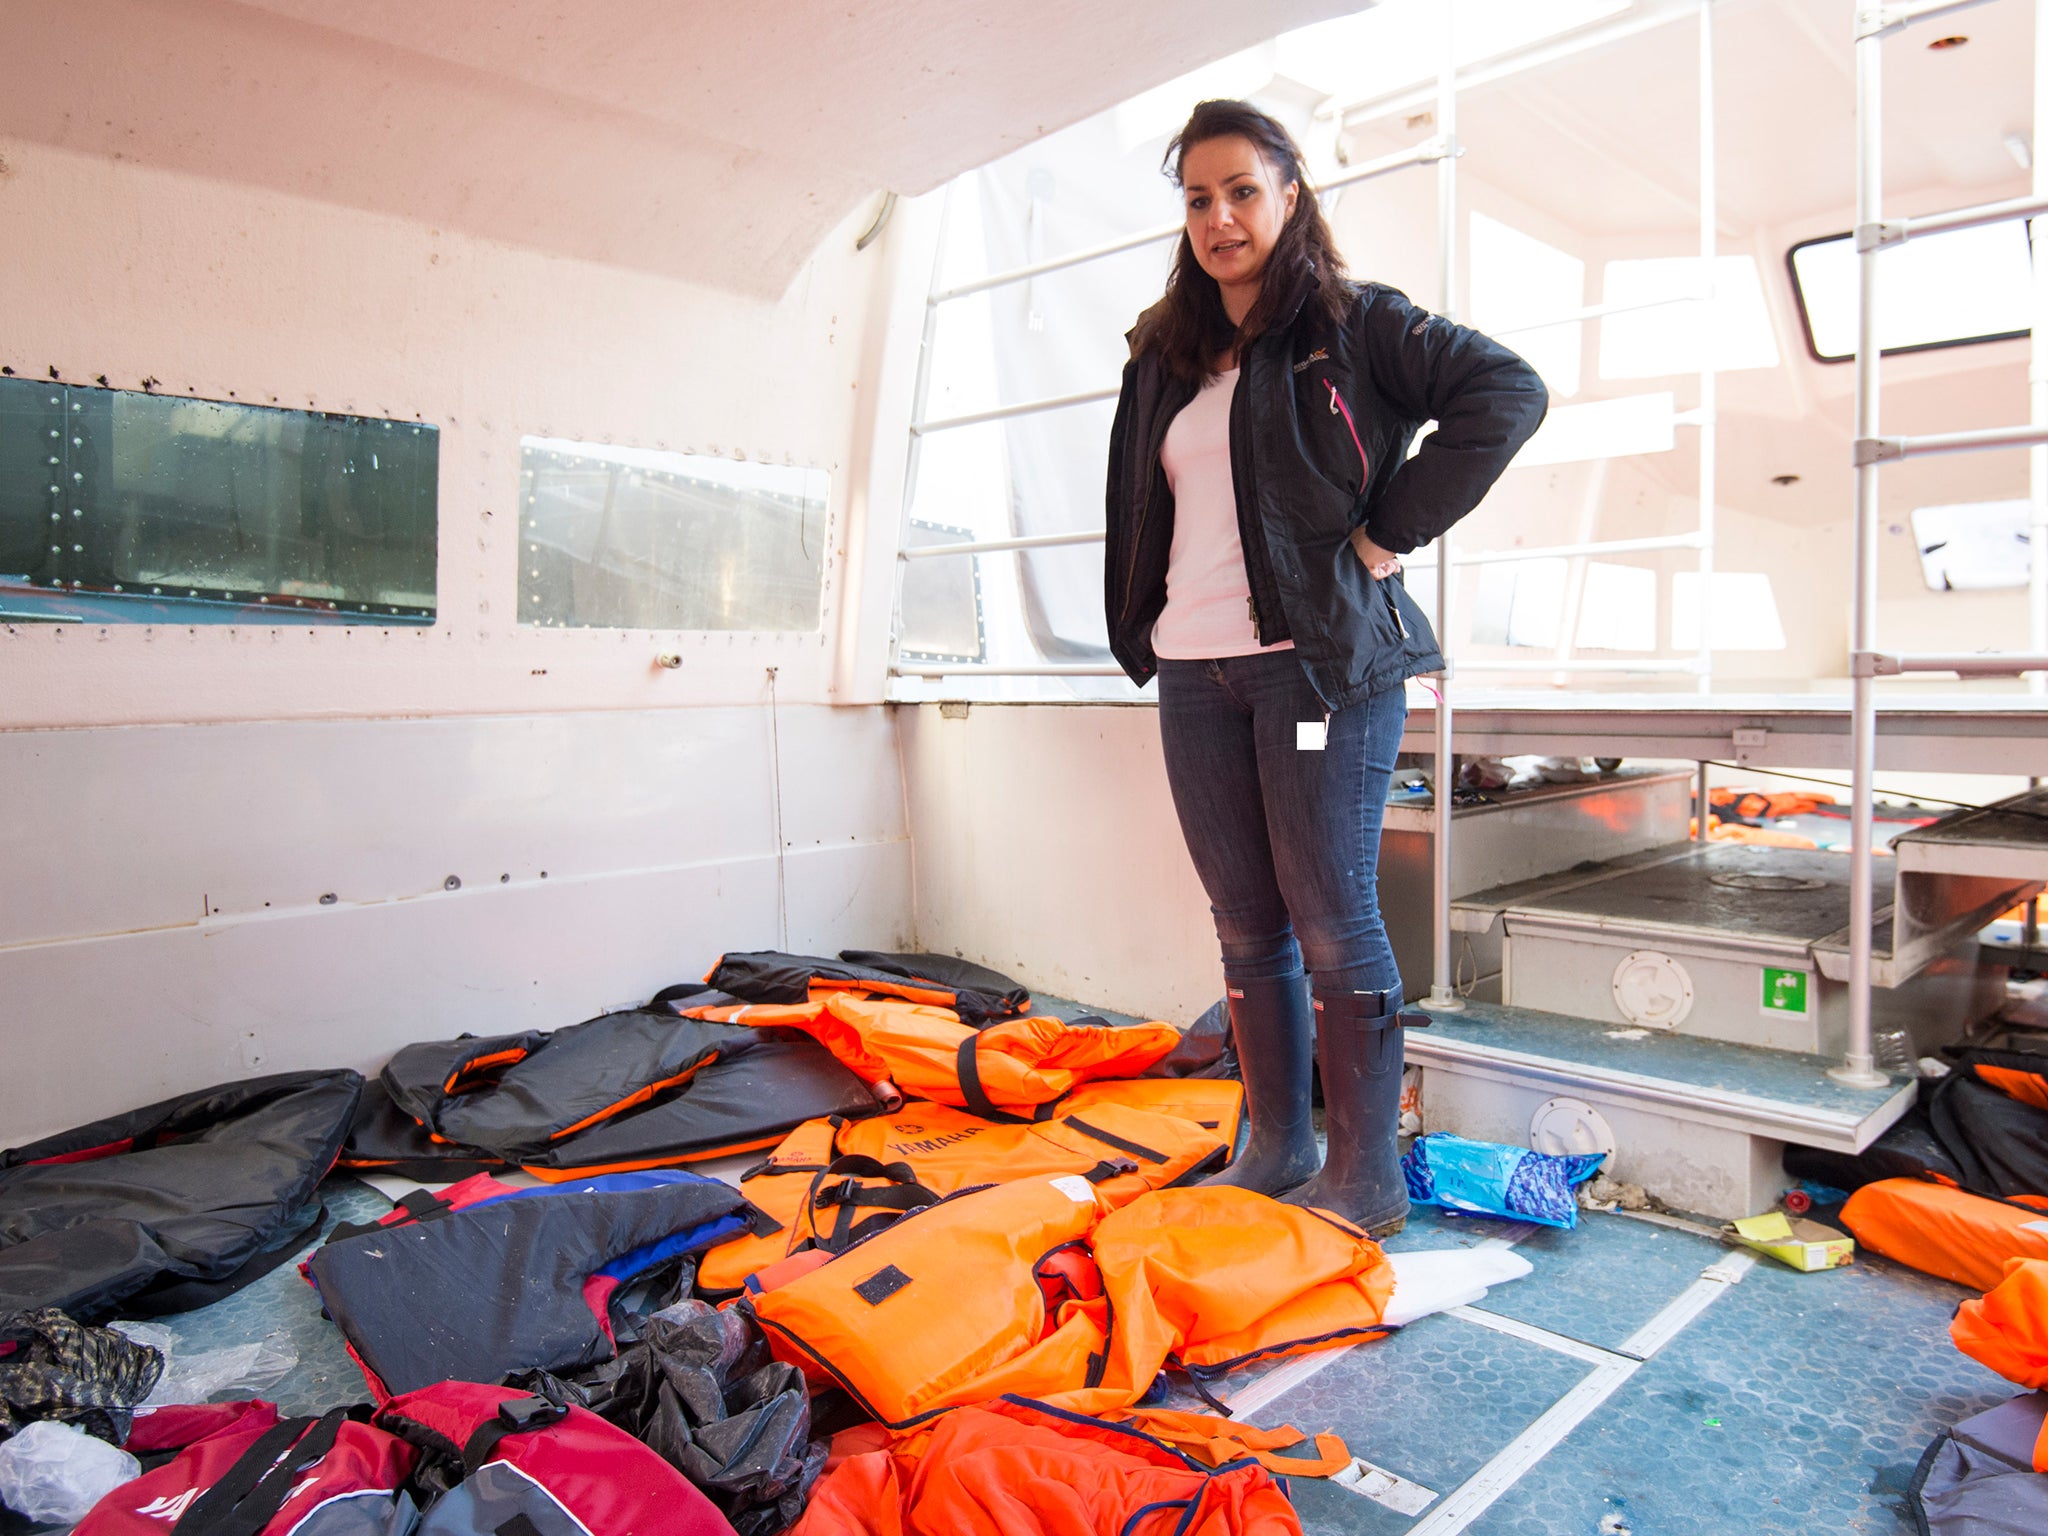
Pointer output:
x,y
1379,563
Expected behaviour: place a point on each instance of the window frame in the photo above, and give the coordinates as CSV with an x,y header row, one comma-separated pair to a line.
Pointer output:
x,y
1806,320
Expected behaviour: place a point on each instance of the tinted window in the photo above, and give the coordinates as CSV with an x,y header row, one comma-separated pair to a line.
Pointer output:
x,y
118,506
631,538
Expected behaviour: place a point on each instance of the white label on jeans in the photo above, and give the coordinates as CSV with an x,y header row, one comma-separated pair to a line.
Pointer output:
x,y
1311,735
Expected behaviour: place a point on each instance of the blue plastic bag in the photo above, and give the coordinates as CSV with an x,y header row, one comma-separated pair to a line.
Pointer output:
x,y
1483,1178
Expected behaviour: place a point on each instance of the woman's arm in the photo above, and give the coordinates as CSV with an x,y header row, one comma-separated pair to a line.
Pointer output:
x,y
1485,400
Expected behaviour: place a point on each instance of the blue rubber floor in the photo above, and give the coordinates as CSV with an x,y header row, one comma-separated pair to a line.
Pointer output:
x,y
1791,1404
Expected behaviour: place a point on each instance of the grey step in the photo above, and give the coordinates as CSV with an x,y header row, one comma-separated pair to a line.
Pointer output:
x,y
2008,840
1790,902
1781,1095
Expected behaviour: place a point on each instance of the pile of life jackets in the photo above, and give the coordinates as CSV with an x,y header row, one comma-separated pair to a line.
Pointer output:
x,y
974,1231
1959,1186
482,1460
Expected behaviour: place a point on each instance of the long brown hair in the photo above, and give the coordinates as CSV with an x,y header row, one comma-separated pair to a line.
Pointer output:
x,y
1188,328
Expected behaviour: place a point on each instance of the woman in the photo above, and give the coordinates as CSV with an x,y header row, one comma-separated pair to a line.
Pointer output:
x,y
1260,498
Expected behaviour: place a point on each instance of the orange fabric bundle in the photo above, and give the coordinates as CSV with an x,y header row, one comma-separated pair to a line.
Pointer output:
x,y
1018,1468
2007,1330
2007,1327
1943,1231
924,1050
1121,1150
946,1307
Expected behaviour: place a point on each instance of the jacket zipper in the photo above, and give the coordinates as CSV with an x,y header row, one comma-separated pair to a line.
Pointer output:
x,y
1339,408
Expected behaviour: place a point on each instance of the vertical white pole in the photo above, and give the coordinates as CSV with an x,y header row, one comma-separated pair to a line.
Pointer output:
x,y
1699,803
1709,396
2037,375
1443,991
2037,381
1857,1068
920,398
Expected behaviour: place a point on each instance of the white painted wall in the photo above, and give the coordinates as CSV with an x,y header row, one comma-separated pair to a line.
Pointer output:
x,y
179,800
1047,847
165,921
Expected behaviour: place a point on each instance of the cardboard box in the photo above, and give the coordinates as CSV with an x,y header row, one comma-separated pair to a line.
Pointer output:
x,y
1794,1241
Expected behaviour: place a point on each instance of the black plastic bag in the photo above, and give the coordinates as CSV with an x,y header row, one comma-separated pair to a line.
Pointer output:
x,y
701,1390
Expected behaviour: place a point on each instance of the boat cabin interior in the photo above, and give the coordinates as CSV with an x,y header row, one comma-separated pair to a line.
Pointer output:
x,y
506,506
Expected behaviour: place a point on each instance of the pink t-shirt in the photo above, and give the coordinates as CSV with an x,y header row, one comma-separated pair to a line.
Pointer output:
x,y
1208,610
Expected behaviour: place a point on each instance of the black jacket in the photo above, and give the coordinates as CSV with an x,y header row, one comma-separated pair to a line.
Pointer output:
x,y
1320,424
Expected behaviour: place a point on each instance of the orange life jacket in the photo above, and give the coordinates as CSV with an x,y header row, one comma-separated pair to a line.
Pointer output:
x,y
944,1308
979,1295
2007,1327
833,1183
926,1052
1028,1469
1947,1232
2007,1330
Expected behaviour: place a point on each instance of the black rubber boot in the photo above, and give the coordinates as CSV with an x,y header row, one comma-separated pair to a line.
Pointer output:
x,y
1358,1039
1271,1023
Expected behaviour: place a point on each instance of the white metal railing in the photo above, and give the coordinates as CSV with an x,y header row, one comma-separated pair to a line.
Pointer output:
x,y
1874,236
993,546
1004,412
1597,312
1443,976
1442,151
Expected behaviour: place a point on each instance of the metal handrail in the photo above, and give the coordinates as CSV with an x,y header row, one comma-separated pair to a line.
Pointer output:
x,y
1007,669
993,546
1003,412
1962,663
1885,234
1400,159
1689,665
1557,551
1423,563
1880,21
1595,312
1649,15
1875,450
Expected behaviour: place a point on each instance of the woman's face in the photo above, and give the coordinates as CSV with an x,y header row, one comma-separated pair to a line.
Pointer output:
x,y
1236,207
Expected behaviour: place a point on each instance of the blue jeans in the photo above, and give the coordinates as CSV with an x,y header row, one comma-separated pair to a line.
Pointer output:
x,y
1286,841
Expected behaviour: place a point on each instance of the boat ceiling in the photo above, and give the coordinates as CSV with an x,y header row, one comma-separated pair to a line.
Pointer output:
x,y
710,141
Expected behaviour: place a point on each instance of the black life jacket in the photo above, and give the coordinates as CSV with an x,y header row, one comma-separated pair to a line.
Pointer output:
x,y
172,1206
477,1293
977,994
623,1091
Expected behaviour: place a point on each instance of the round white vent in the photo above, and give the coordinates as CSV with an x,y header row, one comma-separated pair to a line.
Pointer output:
x,y
1564,1127
1652,990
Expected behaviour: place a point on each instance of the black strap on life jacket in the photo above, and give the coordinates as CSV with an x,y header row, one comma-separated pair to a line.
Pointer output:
x,y
839,1187
969,1073
254,1489
1110,1168
513,1418
1136,1149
